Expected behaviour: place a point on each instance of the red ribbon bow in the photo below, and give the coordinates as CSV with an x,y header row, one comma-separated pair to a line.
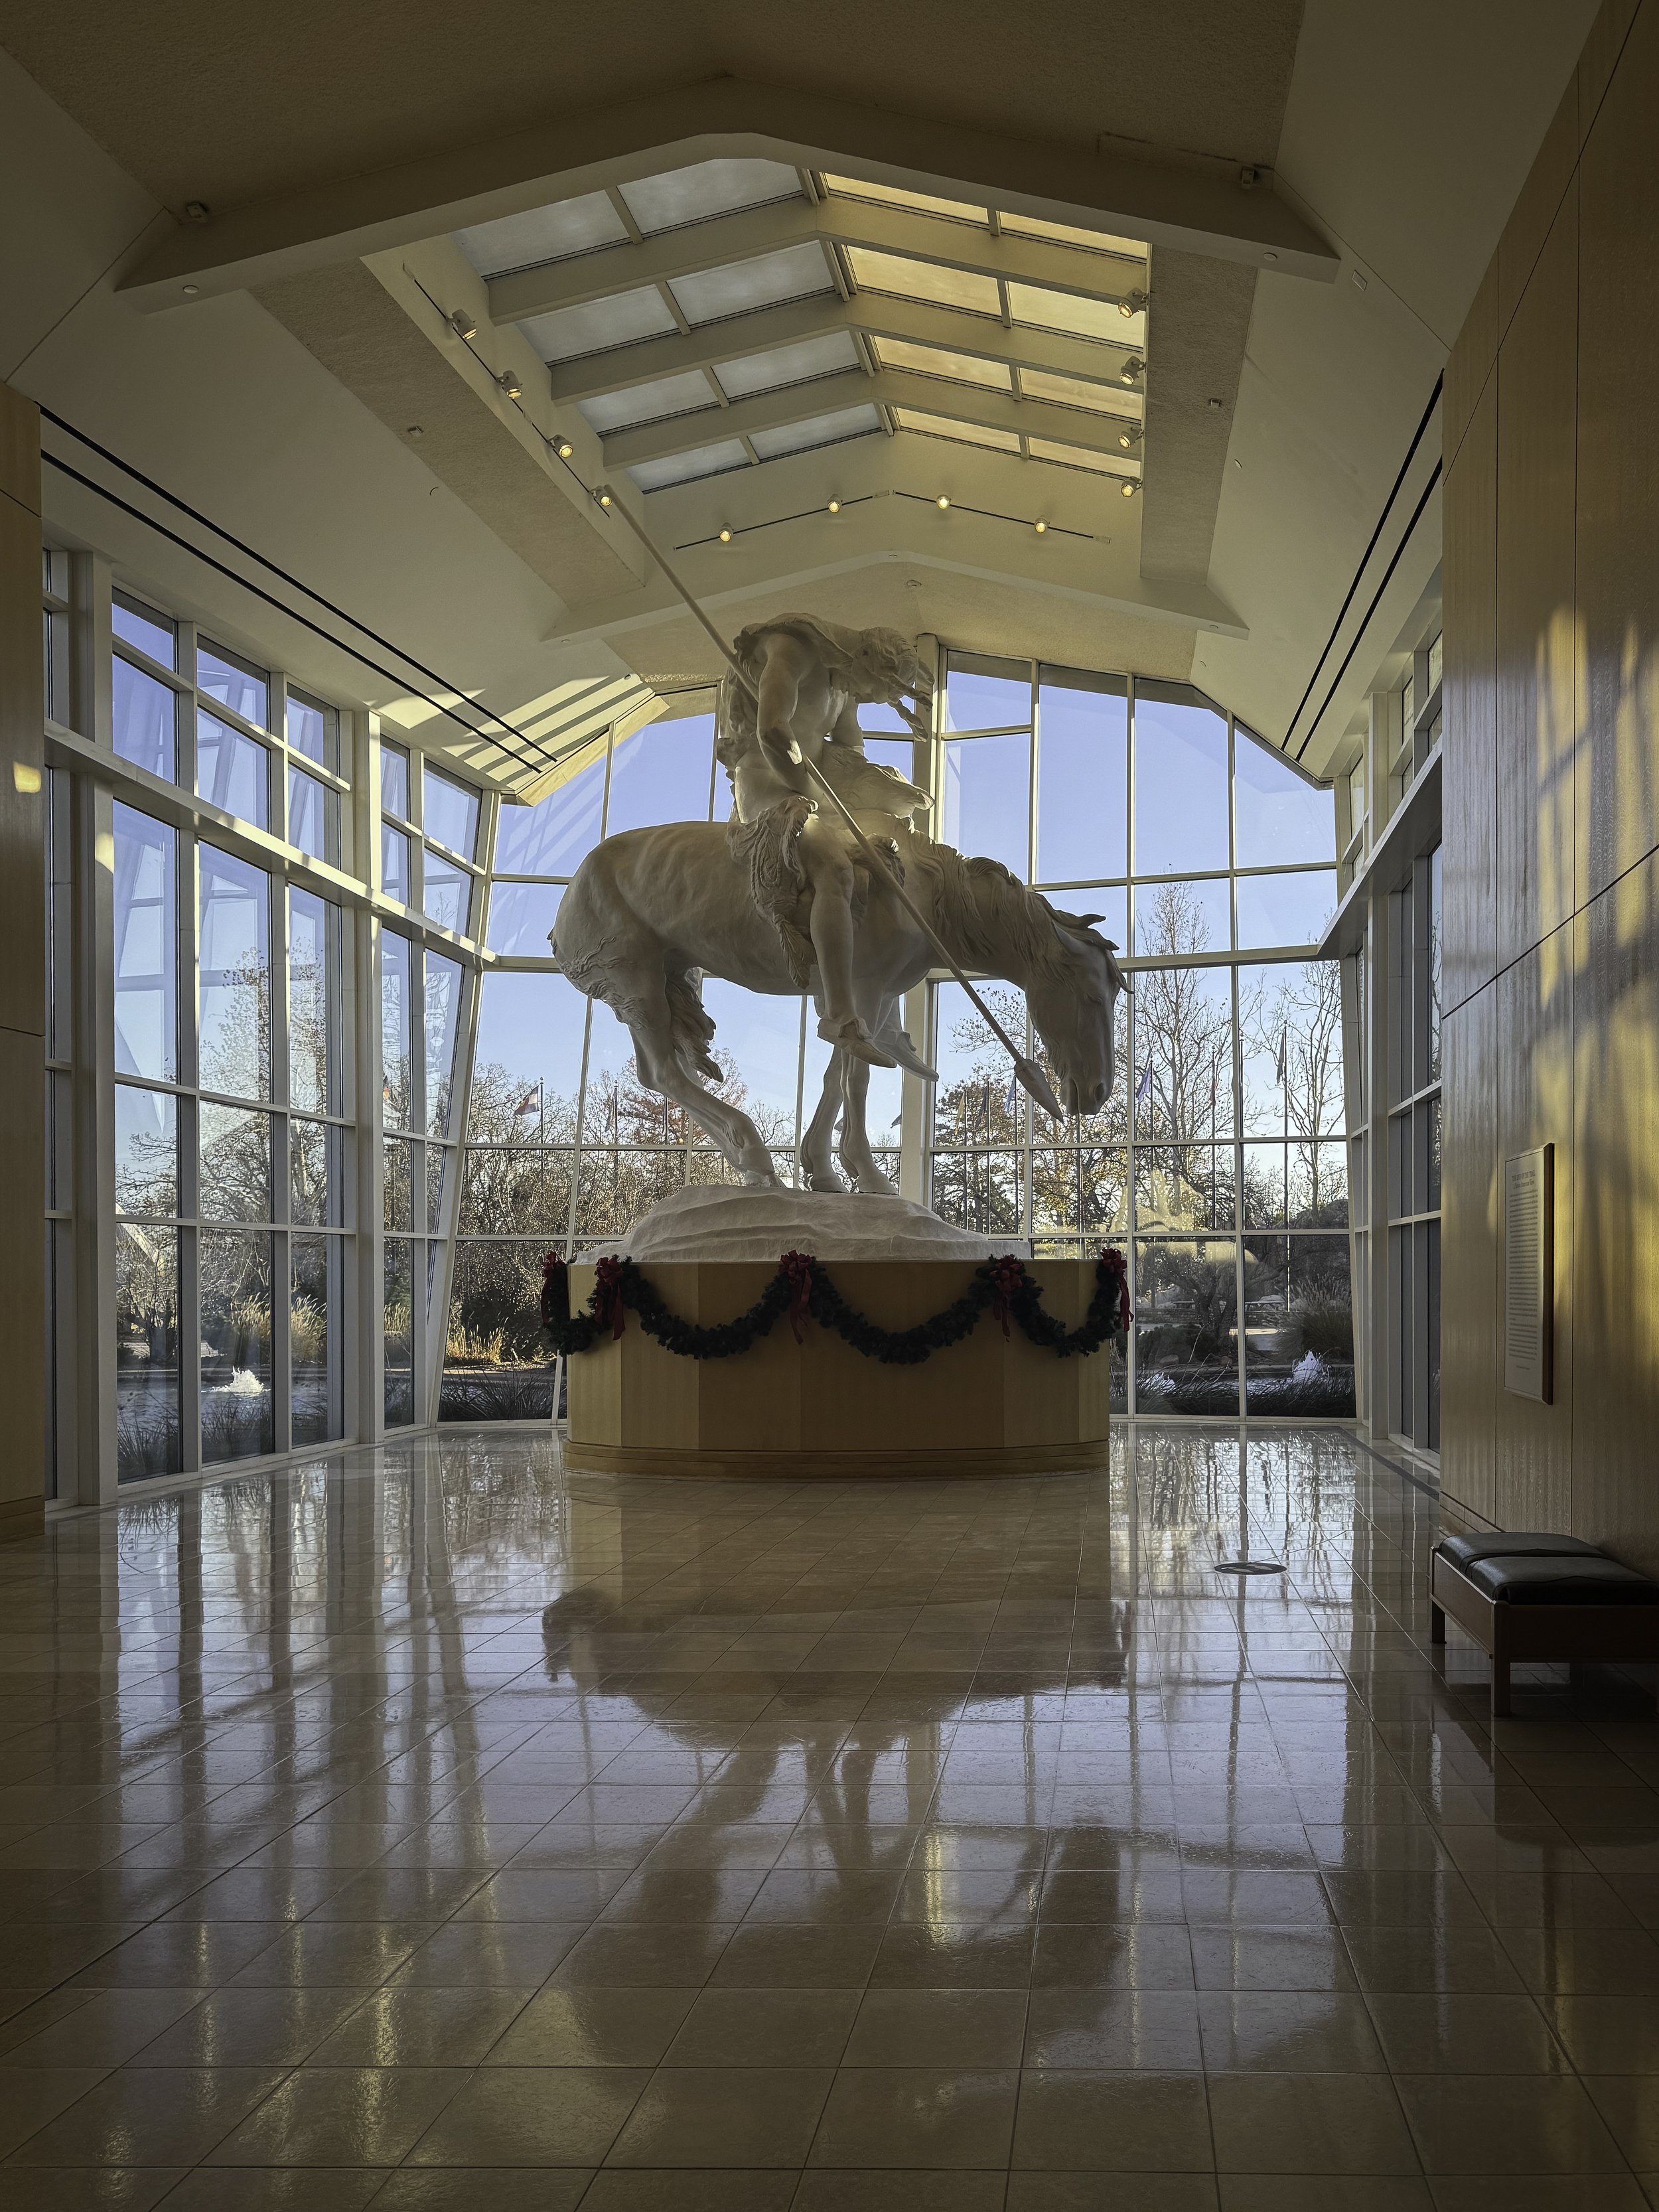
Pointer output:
x,y
1115,1262
1007,1274
798,1268
607,1297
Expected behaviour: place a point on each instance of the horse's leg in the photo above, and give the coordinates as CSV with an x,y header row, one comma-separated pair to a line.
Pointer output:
x,y
854,1152
645,1015
818,1139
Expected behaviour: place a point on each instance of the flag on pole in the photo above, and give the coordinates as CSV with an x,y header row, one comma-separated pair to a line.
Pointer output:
x,y
1284,1044
1143,1089
1011,1095
528,1103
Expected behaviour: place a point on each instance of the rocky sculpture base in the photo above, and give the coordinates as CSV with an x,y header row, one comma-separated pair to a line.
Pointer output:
x,y
710,1222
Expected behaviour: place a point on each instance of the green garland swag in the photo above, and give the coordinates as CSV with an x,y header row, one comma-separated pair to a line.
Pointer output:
x,y
801,1287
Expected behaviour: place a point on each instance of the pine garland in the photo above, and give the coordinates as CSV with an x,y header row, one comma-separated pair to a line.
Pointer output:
x,y
801,1287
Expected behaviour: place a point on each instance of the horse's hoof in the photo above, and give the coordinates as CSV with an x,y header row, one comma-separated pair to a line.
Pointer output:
x,y
758,1179
827,1181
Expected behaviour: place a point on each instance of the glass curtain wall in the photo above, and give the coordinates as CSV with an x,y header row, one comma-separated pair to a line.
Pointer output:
x,y
1413,1184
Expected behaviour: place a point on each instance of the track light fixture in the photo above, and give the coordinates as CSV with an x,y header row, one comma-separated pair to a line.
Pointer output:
x,y
564,449
1133,370
1132,304
941,502
1041,528
510,385
834,507
463,325
1129,487
603,494
1130,437
725,536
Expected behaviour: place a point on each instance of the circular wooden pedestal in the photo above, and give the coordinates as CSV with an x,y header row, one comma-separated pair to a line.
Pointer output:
x,y
989,1406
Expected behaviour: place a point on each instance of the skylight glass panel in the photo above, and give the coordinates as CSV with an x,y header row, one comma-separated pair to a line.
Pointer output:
x,y
933,360
598,325
682,196
1066,234
817,430
707,295
1078,457
787,365
964,434
686,468
1077,391
855,188
1043,310
923,280
547,234
649,402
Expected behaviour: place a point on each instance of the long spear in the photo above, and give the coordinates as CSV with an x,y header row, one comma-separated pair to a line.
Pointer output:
x,y
1030,1075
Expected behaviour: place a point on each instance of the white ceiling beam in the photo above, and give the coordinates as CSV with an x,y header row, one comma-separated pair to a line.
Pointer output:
x,y
722,241
920,322
1196,204
826,395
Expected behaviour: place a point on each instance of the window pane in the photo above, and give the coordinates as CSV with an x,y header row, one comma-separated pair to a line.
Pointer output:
x,y
314,1345
552,837
146,948
1296,1186
394,781
146,1151
310,1179
987,800
240,689
313,817
758,1040
152,633
1083,784
450,814
234,1045
979,1188
527,1068
438,1159
447,894
399,1336
1298,1326
237,1405
662,773
313,1045
231,771
236,1149
395,1185
1079,1190
1292,1047
1183,918
986,695
496,1366
521,919
524,1190
144,714
1183,1070
312,731
1185,1308
394,864
1179,784
397,1030
147,1433
1184,1187
443,1010
1279,817
1285,910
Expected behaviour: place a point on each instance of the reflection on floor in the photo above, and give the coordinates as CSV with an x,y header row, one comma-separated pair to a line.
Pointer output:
x,y
747,1847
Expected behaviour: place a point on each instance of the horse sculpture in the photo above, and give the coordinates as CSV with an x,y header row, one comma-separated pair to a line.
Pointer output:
x,y
651,911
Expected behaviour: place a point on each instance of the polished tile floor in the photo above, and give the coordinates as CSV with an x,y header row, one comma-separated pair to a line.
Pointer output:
x,y
428,1828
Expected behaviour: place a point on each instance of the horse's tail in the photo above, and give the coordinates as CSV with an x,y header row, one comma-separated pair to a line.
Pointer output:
x,y
693,1028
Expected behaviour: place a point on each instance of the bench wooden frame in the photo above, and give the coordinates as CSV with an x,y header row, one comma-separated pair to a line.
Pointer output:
x,y
1580,1634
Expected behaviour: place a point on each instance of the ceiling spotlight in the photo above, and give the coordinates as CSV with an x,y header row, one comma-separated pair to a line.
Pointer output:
x,y
564,449
1270,257
1129,436
941,502
510,385
1129,487
463,325
1132,304
1132,370
603,496
198,211
726,536
1041,528
834,507
191,290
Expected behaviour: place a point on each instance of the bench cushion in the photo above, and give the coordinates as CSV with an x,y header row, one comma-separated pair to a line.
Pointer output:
x,y
1526,1578
1513,1544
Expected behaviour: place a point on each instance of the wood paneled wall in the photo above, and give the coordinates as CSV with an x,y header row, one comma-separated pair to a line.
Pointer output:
x,y
22,974
1551,795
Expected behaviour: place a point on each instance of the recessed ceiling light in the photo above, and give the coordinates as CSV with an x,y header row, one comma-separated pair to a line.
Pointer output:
x,y
414,431
942,502
726,536
1270,257
191,290
463,325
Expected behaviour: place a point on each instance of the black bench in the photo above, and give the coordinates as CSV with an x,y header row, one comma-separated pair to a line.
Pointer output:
x,y
1533,1596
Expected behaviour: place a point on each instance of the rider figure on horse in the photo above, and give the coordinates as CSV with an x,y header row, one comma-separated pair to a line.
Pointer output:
x,y
810,677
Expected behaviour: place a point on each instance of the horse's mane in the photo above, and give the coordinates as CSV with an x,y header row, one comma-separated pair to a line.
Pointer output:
x,y
983,913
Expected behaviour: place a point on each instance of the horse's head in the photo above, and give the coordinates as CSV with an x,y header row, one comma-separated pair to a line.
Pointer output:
x,y
1073,1004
